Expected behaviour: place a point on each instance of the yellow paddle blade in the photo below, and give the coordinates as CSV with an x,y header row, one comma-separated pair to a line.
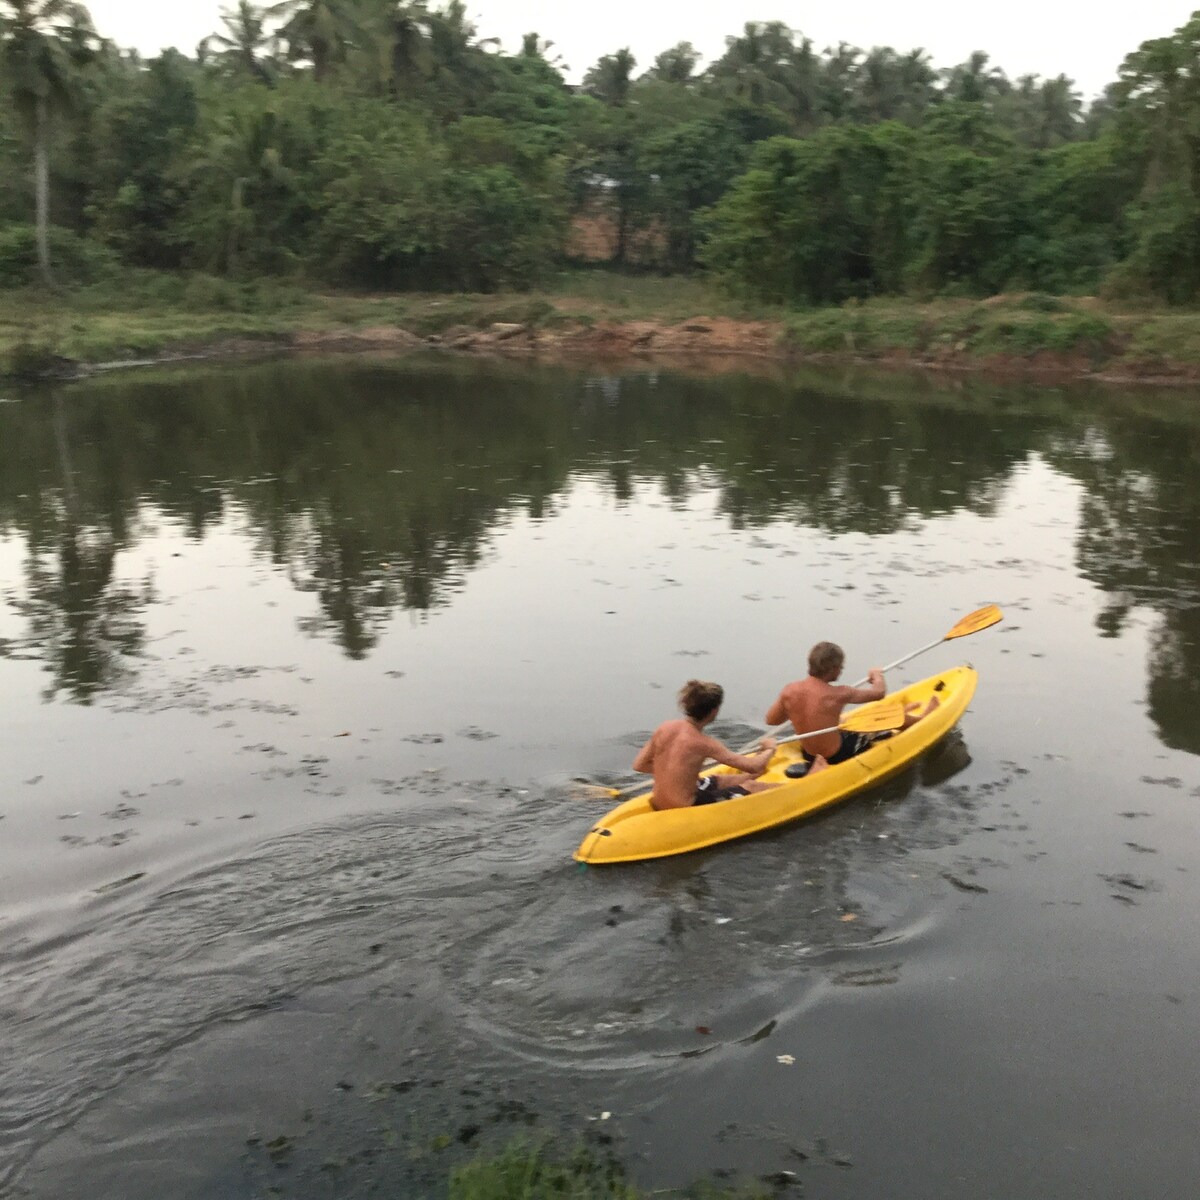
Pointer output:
x,y
981,618
874,718
583,790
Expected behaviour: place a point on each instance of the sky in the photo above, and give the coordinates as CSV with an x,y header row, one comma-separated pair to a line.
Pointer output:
x,y
1085,41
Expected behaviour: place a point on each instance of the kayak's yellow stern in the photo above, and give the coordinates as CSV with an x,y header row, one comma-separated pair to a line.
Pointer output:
x,y
634,830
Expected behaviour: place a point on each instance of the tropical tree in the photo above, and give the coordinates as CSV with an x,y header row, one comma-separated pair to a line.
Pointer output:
x,y
894,87
41,42
767,66
454,40
691,165
1043,112
611,78
244,207
840,82
1159,117
818,219
403,44
676,65
975,81
141,134
245,40
317,30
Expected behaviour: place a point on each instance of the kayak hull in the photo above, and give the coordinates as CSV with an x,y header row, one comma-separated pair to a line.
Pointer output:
x,y
634,831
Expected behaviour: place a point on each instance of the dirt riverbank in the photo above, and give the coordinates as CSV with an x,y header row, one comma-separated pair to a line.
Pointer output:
x,y
1020,337
718,343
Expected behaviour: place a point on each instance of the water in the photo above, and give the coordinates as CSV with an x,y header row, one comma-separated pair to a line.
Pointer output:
x,y
301,661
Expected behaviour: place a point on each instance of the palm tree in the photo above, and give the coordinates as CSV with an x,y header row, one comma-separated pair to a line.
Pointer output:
x,y
840,80
766,65
41,42
404,44
611,78
319,30
244,37
242,157
1062,111
974,81
917,81
453,38
533,45
676,65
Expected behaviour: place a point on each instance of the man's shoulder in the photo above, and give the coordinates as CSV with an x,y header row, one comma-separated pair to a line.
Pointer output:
x,y
808,686
672,728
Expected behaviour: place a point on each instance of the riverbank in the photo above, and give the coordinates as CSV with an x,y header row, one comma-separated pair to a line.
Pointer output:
x,y
587,315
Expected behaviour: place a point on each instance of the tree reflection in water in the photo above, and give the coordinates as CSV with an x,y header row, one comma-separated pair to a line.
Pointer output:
x,y
83,619
378,487
1139,541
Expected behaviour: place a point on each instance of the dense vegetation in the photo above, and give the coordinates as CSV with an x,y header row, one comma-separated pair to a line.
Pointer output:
x,y
384,144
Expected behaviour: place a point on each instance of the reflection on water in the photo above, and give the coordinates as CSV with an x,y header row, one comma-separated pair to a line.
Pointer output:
x,y
378,488
294,652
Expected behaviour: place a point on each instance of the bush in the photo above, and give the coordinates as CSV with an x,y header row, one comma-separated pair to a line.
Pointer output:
x,y
531,1173
72,259
31,361
208,292
1040,302
1071,333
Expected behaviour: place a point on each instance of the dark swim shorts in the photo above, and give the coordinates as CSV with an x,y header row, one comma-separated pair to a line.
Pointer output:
x,y
709,791
853,744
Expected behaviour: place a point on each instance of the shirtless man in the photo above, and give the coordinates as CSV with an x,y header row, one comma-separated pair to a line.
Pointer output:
x,y
816,703
677,750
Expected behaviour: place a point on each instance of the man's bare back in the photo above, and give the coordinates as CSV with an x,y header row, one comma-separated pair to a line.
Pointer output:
x,y
813,703
816,702
676,752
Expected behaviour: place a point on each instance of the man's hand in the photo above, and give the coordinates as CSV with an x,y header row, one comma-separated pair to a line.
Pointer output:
x,y
767,753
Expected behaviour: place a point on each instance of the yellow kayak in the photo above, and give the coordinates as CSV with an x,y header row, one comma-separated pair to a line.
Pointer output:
x,y
634,830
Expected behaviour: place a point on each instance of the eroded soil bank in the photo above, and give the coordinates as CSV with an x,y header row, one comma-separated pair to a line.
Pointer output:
x,y
1027,336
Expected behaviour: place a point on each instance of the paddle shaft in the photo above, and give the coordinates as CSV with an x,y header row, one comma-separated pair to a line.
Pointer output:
x,y
901,661
796,737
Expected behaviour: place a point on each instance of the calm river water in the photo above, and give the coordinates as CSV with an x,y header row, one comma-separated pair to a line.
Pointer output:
x,y
301,660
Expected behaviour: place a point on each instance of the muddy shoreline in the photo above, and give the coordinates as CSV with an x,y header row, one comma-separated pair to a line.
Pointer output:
x,y
711,345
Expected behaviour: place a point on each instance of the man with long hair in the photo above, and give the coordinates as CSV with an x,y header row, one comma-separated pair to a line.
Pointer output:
x,y
676,752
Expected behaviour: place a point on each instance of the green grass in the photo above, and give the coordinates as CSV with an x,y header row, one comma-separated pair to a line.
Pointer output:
x,y
1021,327
525,1172
1164,338
633,296
149,314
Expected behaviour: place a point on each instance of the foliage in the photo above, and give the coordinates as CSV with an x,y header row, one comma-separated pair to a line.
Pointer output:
x,y
1158,99
525,1173
817,220
78,260
385,143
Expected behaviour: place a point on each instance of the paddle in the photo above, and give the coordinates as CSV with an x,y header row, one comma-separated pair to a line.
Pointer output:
x,y
973,622
871,718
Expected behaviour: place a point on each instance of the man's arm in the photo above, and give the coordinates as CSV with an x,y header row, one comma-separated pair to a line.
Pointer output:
x,y
876,689
777,714
645,758
754,764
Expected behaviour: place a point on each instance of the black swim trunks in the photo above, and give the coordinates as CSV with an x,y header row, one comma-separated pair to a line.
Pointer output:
x,y
709,791
853,744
